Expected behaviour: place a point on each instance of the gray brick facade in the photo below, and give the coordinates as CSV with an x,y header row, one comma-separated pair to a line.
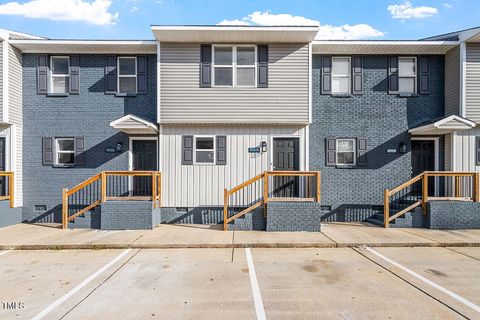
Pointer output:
x,y
85,115
383,120
453,215
9,216
293,216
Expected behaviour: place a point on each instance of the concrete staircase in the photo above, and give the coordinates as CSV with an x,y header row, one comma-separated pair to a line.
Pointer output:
x,y
412,219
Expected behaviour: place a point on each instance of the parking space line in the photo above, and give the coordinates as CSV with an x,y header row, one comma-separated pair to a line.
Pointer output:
x,y
257,297
62,299
3,252
427,281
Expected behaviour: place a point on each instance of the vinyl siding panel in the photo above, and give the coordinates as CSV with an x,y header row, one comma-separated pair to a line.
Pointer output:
x,y
452,82
284,101
1,80
16,117
203,185
448,152
473,81
465,150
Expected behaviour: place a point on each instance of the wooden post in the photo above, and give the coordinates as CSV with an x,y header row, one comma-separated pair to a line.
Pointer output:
x,y
318,182
64,208
476,187
225,209
154,189
425,193
386,208
104,186
265,191
457,186
11,189
159,185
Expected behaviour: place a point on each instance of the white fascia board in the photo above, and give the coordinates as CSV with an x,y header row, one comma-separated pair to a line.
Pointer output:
x,y
234,28
85,46
385,42
159,89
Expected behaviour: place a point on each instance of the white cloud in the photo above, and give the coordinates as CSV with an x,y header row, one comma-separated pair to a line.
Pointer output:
x,y
134,9
330,32
406,11
95,12
447,5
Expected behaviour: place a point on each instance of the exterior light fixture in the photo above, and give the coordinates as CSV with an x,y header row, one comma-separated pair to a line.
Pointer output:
x,y
119,147
263,145
402,147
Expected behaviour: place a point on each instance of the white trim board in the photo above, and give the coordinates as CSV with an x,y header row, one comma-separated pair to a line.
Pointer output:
x,y
130,149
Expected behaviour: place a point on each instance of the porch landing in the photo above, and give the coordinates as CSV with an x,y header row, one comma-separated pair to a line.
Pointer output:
x,y
51,236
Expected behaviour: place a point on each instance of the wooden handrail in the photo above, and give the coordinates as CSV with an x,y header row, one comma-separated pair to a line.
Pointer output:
x,y
11,187
155,196
423,177
265,198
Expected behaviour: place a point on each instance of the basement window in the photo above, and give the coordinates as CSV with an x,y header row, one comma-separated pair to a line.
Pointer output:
x,y
204,150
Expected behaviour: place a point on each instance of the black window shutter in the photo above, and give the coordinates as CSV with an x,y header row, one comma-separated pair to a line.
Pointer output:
x,y
221,147
262,66
205,65
331,152
362,147
187,150
357,72
47,151
80,157
477,151
326,83
424,74
142,74
111,75
42,74
74,79
392,75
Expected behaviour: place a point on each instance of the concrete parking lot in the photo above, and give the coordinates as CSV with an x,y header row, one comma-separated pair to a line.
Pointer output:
x,y
317,283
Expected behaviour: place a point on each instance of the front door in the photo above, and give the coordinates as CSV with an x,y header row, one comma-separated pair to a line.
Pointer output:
x,y
144,154
3,180
423,159
286,157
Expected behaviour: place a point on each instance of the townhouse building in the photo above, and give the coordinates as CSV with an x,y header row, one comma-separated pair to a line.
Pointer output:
x,y
253,127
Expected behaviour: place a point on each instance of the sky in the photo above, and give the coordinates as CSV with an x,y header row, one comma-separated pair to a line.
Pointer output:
x,y
337,19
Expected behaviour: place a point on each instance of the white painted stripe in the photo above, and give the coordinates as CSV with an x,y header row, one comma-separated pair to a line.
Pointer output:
x,y
3,252
431,283
62,299
257,297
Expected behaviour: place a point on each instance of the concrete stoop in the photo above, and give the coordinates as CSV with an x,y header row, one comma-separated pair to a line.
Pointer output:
x,y
413,219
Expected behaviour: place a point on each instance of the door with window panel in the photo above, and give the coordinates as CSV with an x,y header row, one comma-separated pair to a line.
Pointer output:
x,y
144,159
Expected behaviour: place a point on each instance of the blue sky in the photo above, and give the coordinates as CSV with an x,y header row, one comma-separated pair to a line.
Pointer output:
x,y
338,19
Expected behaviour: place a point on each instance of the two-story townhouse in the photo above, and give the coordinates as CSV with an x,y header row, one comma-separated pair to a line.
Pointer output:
x,y
73,91
233,102
11,123
378,119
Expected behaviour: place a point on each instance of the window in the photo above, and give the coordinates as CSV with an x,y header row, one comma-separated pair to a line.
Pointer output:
x,y
65,151
341,75
234,66
127,75
345,152
204,150
407,74
59,76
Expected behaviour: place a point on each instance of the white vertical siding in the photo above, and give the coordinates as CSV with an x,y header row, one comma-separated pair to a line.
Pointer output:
x,y
465,150
472,89
284,101
1,80
202,185
448,152
452,82
16,118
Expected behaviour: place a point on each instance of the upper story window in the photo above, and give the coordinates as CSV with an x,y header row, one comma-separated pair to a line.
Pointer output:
x,y
345,152
204,150
60,74
234,66
65,151
127,75
341,75
407,74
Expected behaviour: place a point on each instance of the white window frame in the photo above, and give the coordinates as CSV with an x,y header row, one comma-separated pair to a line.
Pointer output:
x,y
349,75
50,89
58,151
195,150
354,152
234,65
126,76
409,77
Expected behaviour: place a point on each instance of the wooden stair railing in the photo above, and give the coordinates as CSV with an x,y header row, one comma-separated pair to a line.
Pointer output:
x,y
8,193
264,195
464,186
106,186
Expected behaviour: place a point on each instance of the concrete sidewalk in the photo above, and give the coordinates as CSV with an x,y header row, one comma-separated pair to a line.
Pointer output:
x,y
50,236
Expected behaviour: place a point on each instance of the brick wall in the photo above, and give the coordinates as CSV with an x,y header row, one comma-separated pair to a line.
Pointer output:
x,y
9,216
453,215
87,114
383,120
293,216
